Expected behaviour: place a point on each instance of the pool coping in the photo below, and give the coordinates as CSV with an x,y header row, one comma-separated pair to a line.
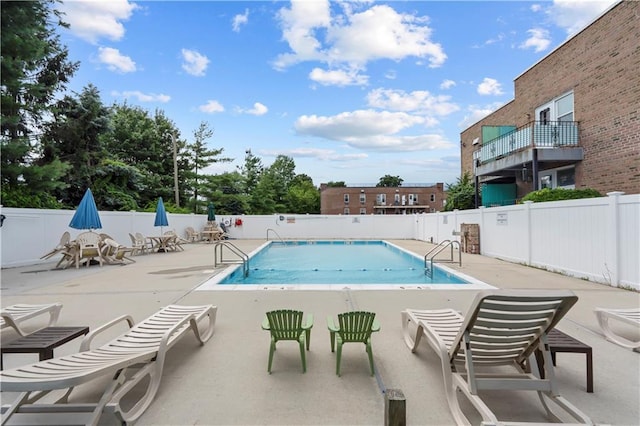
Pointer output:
x,y
213,282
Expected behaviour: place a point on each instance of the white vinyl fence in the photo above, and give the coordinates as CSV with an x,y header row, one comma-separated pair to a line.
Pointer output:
x,y
597,238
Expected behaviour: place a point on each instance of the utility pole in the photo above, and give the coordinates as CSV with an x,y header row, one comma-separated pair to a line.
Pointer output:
x,y
175,169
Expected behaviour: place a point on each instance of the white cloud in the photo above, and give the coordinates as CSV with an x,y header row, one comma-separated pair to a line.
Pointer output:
x,y
447,84
142,97
92,20
372,130
116,61
194,62
258,109
420,101
490,86
477,113
539,40
338,77
211,107
574,15
318,154
240,20
352,39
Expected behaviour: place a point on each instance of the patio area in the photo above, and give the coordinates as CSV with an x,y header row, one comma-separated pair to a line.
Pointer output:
x,y
225,382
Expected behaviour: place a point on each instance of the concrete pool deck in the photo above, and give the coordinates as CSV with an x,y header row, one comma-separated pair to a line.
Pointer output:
x,y
225,382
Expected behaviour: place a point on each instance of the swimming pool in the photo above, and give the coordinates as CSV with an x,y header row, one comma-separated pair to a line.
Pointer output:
x,y
338,264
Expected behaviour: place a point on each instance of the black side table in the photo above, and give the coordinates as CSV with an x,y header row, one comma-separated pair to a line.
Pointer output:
x,y
42,342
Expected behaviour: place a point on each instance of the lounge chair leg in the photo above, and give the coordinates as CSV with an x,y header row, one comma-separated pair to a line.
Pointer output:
x,y
338,358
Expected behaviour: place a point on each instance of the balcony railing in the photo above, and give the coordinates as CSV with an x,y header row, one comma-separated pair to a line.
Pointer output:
x,y
552,134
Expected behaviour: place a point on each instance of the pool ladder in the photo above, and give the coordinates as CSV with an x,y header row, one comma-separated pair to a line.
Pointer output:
x,y
242,257
428,261
277,235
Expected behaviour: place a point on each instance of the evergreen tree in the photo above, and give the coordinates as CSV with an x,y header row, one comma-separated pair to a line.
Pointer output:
x,y
199,156
34,68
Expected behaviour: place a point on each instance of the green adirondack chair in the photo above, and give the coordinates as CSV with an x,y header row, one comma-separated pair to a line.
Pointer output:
x,y
352,327
286,324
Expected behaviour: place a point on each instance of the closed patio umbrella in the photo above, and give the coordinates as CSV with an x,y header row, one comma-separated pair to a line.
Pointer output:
x,y
211,212
161,215
86,215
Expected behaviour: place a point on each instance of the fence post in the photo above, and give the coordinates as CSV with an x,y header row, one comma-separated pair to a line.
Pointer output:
x,y
395,408
612,258
527,255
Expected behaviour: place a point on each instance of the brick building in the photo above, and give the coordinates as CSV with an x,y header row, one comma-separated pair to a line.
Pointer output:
x,y
574,121
381,200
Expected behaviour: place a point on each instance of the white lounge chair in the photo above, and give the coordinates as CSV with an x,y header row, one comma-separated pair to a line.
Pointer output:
x,y
115,253
627,316
502,328
128,359
12,316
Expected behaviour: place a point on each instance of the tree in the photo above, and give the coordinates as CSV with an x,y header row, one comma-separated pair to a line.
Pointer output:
x,y
251,171
75,137
33,69
388,181
144,142
199,157
225,191
278,177
303,197
461,195
338,184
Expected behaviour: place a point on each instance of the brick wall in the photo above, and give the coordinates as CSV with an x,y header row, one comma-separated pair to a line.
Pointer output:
x,y
601,65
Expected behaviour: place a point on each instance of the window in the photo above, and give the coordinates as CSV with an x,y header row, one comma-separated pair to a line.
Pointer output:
x,y
564,108
396,199
558,178
381,199
346,198
346,210
559,109
363,198
433,198
363,210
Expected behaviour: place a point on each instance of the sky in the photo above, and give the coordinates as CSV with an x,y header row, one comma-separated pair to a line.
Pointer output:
x,y
351,91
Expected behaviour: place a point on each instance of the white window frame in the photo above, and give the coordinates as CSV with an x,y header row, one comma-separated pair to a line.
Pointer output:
x,y
346,198
363,210
345,211
552,106
363,198
551,176
381,199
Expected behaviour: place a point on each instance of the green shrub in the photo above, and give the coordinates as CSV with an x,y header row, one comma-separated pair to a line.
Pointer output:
x,y
559,194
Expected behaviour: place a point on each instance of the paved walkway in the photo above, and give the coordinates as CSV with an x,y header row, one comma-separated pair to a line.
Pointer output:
x,y
225,382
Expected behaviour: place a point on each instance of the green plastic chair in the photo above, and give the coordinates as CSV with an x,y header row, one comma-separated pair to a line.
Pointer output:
x,y
352,327
286,324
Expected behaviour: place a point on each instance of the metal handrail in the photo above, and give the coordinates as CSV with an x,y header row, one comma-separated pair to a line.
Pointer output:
x,y
244,258
275,232
428,269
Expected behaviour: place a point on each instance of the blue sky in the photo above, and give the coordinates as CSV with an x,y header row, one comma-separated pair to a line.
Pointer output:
x,y
352,91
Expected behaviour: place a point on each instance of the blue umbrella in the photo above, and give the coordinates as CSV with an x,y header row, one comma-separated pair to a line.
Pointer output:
x,y
211,212
161,215
86,215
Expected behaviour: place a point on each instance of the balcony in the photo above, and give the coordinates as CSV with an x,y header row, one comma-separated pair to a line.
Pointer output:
x,y
543,144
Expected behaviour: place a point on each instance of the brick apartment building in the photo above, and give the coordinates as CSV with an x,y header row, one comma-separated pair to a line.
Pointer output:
x,y
381,200
574,121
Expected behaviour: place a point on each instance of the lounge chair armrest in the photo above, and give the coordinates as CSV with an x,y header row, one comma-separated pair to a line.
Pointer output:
x,y
375,327
265,324
86,341
333,327
309,322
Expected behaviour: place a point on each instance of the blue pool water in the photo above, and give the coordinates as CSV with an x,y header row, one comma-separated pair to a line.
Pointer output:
x,y
337,262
